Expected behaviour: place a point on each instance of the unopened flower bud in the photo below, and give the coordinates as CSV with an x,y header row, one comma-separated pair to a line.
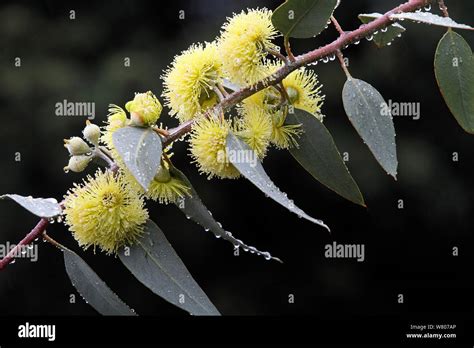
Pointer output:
x,y
163,174
91,133
76,146
145,109
78,163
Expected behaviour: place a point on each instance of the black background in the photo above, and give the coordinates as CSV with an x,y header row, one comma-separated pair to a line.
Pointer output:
x,y
408,251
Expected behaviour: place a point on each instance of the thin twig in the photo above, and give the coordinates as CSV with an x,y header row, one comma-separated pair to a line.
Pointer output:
x,y
222,89
343,64
286,43
219,94
284,94
278,55
161,131
50,240
337,26
443,8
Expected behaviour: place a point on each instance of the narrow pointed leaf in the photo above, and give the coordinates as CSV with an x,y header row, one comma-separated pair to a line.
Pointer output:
x,y
42,207
318,154
254,172
303,18
429,18
92,288
140,150
153,261
371,117
193,207
382,38
454,69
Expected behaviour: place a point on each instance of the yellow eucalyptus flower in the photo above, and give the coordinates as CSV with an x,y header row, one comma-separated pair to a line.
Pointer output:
x,y
304,91
105,212
190,81
145,109
243,43
164,188
116,119
208,148
255,128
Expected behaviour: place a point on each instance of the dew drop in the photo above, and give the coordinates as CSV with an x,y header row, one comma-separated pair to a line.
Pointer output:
x,y
384,30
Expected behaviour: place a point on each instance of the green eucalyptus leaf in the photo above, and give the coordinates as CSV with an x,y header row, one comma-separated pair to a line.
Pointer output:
x,y
153,261
303,18
42,207
370,116
250,167
92,288
193,207
318,154
429,18
140,150
384,36
454,69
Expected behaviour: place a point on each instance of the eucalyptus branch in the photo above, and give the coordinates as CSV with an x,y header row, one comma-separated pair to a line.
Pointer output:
x,y
229,100
332,48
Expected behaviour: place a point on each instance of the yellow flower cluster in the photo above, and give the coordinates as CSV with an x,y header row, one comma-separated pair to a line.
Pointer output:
x,y
237,55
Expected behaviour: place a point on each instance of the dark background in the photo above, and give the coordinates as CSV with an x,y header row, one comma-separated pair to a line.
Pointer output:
x,y
408,251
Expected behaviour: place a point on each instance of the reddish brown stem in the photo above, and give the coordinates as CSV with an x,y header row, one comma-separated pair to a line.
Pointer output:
x,y
443,8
